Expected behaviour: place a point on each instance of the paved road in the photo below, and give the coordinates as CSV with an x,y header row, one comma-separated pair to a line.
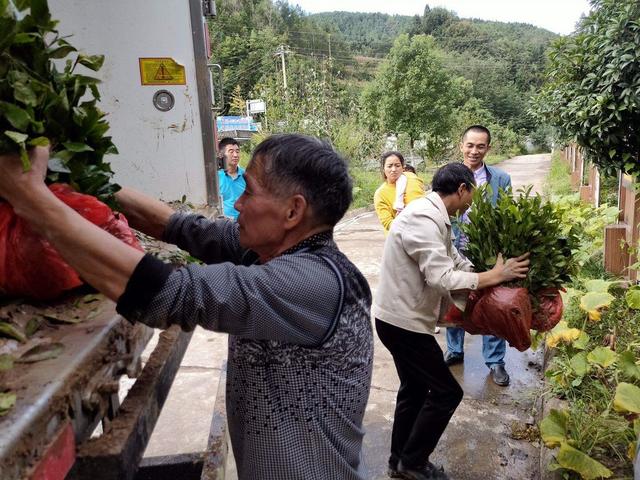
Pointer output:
x,y
477,445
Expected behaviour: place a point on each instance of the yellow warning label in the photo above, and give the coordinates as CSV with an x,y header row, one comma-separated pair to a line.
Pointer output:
x,y
161,71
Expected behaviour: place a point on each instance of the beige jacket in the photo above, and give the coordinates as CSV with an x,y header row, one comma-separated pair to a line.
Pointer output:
x,y
421,273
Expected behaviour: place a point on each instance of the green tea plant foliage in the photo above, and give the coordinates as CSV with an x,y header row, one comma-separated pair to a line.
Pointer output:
x,y
592,90
516,225
42,105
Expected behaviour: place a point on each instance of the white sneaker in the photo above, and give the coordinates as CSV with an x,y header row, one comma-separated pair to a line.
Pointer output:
x,y
437,330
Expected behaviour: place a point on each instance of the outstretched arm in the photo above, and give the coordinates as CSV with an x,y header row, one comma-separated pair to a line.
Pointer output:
x,y
144,213
100,259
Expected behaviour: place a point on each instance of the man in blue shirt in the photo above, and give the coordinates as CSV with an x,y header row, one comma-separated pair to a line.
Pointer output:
x,y
231,180
476,143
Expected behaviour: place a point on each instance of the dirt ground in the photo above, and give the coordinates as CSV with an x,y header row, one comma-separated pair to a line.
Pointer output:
x,y
482,441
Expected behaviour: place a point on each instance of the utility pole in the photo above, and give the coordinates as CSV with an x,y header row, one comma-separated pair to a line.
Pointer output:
x,y
329,38
281,52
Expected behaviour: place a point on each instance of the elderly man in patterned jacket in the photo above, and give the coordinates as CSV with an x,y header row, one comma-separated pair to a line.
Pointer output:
x,y
297,310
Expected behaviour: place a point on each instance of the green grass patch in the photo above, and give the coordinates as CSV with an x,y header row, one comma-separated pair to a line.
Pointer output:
x,y
558,182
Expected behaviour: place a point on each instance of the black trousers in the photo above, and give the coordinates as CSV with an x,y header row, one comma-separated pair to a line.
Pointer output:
x,y
427,398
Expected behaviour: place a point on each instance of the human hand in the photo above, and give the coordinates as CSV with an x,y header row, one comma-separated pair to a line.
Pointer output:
x,y
512,268
15,183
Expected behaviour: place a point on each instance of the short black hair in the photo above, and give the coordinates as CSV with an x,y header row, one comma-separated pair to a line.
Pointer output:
x,y
449,177
300,164
386,155
409,168
227,141
479,129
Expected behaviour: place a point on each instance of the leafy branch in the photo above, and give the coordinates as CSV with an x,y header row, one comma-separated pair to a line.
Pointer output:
x,y
41,105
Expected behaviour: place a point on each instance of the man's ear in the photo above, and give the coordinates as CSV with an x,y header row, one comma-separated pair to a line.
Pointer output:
x,y
296,210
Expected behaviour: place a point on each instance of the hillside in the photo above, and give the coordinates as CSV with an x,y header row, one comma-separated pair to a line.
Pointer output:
x,y
372,34
504,61
368,34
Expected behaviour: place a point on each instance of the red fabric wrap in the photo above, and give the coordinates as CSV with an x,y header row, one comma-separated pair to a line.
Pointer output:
x,y
501,311
29,265
548,311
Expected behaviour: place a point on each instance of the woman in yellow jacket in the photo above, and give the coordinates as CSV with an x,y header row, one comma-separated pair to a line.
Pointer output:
x,y
398,190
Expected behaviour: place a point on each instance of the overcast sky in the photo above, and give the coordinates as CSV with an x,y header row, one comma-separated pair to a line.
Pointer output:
x,y
559,16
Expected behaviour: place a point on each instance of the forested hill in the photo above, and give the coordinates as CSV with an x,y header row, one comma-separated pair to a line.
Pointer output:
x,y
369,34
372,34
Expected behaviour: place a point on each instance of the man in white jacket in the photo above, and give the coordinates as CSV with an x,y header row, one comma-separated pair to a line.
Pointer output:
x,y
421,276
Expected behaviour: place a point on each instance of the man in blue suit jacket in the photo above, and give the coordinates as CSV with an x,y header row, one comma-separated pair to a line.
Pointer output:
x,y
476,143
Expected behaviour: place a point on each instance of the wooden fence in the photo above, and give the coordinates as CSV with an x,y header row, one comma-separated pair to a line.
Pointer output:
x,y
621,238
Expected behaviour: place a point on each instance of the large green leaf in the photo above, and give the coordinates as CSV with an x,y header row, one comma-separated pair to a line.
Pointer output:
x,y
593,301
633,298
628,366
598,285
603,356
553,428
627,398
582,342
573,459
579,364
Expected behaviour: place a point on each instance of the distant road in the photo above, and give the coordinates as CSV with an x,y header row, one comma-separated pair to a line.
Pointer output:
x,y
528,170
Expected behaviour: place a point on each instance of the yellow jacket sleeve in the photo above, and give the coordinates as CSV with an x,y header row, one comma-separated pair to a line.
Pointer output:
x,y
383,203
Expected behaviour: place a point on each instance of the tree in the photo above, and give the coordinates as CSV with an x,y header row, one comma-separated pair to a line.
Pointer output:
x,y
592,94
414,94
237,104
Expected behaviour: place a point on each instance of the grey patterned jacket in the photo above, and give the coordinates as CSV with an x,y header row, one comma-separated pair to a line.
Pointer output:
x,y
300,349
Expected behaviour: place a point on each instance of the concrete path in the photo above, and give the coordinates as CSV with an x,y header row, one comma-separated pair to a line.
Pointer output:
x,y
477,445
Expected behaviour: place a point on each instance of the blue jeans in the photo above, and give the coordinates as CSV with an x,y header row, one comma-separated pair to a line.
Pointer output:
x,y
493,348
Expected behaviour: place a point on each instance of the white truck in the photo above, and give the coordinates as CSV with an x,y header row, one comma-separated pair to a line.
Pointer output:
x,y
158,93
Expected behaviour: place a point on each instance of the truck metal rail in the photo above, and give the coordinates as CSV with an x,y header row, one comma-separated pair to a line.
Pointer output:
x,y
61,401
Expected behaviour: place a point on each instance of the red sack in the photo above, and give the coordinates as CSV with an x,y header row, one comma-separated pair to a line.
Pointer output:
x,y
500,311
506,313
547,310
30,267
461,319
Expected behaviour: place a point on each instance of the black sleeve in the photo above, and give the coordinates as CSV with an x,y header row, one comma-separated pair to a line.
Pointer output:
x,y
147,280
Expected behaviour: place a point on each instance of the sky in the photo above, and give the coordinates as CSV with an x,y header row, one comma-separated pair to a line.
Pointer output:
x,y
559,16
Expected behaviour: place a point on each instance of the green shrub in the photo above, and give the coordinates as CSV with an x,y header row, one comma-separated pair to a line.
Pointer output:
x,y
516,225
40,105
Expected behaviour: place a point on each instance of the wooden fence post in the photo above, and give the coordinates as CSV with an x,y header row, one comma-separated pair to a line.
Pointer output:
x,y
621,239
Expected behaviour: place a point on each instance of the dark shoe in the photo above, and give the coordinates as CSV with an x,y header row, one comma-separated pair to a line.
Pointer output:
x,y
451,358
499,375
428,472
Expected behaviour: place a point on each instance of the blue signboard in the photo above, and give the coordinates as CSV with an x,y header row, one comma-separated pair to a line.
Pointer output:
x,y
228,123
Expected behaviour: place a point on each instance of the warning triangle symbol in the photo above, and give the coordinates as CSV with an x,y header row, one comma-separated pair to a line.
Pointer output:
x,y
163,73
